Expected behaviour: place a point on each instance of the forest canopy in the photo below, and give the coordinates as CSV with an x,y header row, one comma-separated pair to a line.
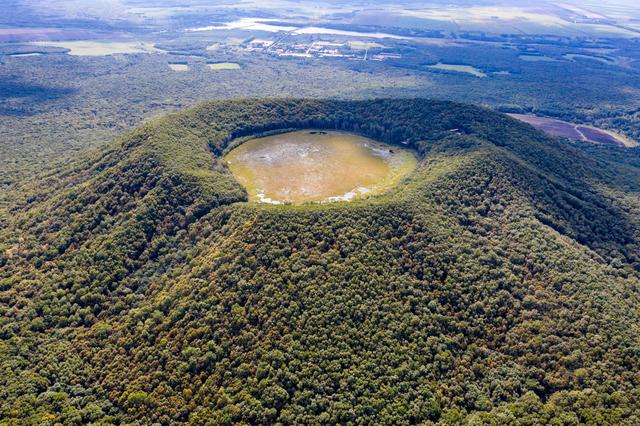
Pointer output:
x,y
497,284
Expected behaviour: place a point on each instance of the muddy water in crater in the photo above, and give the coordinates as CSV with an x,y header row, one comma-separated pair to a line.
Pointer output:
x,y
319,166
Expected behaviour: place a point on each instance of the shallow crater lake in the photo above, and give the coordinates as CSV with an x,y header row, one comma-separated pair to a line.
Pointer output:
x,y
317,166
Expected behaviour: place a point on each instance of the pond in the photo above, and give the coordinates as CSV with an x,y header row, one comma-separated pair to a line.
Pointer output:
x,y
317,166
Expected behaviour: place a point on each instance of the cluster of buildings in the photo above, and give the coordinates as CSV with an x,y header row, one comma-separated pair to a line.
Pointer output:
x,y
317,49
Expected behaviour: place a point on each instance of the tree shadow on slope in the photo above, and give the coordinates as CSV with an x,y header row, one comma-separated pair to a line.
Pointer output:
x,y
594,209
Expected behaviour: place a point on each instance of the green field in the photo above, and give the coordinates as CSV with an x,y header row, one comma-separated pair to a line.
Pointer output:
x,y
224,66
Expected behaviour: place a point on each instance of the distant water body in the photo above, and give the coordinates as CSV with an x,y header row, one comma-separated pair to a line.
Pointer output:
x,y
259,24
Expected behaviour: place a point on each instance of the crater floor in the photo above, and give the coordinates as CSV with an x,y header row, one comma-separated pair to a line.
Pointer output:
x,y
317,166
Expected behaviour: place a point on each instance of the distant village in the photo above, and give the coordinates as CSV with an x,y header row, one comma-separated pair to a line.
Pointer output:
x,y
352,50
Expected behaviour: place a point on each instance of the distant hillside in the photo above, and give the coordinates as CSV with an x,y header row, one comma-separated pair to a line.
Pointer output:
x,y
498,284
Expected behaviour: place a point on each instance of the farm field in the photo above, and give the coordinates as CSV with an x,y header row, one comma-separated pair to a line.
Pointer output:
x,y
100,48
602,59
565,129
317,166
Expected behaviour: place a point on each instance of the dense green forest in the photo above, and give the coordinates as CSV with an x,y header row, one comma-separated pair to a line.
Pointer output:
x,y
498,284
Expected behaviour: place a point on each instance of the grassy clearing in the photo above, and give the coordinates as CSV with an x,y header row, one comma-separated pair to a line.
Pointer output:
x,y
364,45
101,48
467,69
536,58
179,67
224,66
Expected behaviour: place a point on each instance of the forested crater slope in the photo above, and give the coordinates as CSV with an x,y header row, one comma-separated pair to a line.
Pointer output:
x,y
497,283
